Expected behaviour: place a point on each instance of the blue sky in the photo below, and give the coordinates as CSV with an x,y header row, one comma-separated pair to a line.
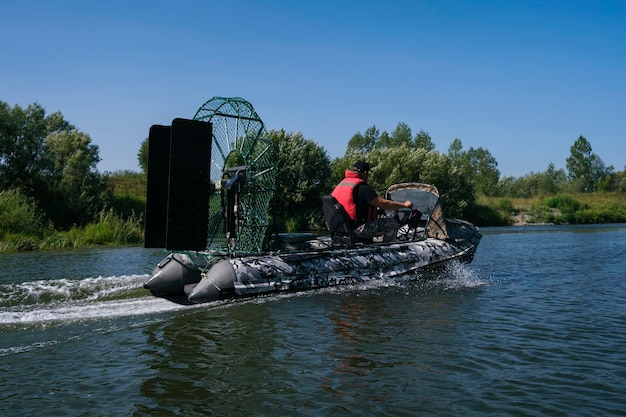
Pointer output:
x,y
521,79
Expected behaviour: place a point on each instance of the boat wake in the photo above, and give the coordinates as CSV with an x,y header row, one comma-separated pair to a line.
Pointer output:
x,y
62,301
89,289
45,302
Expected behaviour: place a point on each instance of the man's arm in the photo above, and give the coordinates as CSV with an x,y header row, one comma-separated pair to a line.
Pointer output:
x,y
389,204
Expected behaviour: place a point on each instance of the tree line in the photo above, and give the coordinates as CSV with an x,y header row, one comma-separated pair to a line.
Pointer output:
x,y
44,159
49,178
49,182
461,175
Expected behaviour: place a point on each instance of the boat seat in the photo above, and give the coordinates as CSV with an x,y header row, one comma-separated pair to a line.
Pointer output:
x,y
338,222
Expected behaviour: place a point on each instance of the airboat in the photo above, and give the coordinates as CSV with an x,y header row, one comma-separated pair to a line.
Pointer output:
x,y
210,182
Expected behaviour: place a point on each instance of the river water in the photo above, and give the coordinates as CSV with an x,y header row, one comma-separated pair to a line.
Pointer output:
x,y
535,326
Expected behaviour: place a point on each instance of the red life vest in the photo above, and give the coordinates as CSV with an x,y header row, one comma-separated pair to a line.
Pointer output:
x,y
344,193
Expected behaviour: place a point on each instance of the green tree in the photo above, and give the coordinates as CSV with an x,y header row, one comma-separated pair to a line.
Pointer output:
x,y
399,158
618,181
456,189
23,158
613,181
484,169
455,151
400,136
423,140
142,156
386,170
47,159
477,165
408,164
78,191
549,182
338,167
527,186
584,168
554,180
303,176
361,144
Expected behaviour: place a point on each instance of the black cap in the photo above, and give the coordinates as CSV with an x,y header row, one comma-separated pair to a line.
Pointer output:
x,y
361,166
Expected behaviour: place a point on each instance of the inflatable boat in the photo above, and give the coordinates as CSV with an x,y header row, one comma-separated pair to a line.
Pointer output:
x,y
210,180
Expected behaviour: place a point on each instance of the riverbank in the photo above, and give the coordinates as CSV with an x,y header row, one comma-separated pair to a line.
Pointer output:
x,y
110,230
587,208
579,208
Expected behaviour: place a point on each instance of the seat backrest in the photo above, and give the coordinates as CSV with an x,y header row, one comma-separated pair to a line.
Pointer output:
x,y
337,221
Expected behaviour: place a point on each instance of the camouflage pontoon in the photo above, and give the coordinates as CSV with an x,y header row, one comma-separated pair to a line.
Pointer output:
x,y
210,181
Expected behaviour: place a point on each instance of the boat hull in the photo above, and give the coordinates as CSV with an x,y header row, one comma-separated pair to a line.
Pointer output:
x,y
202,278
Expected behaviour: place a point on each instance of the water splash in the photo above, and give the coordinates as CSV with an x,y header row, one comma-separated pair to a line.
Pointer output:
x,y
458,275
455,276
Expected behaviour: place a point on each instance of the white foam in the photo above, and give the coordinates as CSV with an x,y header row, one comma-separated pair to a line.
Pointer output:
x,y
63,300
78,311
65,289
457,276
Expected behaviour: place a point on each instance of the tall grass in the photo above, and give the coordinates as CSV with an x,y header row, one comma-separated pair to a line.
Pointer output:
x,y
110,229
23,228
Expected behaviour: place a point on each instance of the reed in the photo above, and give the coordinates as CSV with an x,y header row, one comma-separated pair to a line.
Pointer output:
x,y
113,229
110,229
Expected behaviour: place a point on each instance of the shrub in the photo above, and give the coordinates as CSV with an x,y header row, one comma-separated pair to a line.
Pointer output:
x,y
545,214
110,228
484,215
565,203
505,206
19,214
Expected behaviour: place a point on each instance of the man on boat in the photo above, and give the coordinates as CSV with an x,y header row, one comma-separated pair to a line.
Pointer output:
x,y
362,204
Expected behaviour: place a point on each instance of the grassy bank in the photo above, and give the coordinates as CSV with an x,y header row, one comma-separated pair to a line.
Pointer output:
x,y
110,229
580,208
24,228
